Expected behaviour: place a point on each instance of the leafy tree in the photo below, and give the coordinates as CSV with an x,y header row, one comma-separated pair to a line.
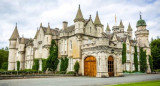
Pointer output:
x,y
135,58
155,52
36,64
124,54
143,63
18,65
52,60
151,62
64,64
76,67
3,56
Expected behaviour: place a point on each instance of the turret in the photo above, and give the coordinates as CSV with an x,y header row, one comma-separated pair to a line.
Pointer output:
x,y
98,25
12,49
48,36
108,29
129,30
79,22
65,24
121,26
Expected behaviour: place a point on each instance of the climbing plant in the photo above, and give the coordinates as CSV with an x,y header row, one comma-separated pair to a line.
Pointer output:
x,y
151,62
35,64
18,65
143,64
52,60
44,64
135,58
124,53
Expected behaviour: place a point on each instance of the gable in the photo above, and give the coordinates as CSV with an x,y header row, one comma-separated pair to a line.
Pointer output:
x,y
90,28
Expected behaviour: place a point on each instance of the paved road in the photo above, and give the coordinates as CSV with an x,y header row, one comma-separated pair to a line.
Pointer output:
x,y
78,81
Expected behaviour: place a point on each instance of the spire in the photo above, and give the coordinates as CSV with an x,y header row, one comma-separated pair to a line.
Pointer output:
x,y
41,24
121,24
129,27
15,34
97,20
107,28
79,16
140,15
115,20
22,40
48,30
90,17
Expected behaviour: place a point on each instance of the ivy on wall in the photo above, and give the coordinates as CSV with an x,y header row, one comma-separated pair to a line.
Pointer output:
x,y
52,60
64,64
143,64
135,58
35,64
124,53
18,65
151,62
44,64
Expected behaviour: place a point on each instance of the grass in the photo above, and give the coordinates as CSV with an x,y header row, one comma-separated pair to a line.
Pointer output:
x,y
145,83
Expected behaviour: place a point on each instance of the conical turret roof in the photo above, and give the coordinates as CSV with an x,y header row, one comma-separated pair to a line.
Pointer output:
x,y
97,20
121,24
129,27
79,16
108,28
36,34
15,34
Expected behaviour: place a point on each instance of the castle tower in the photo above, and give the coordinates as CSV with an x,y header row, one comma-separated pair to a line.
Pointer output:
x,y
12,49
79,22
121,26
142,38
129,30
22,53
98,25
108,29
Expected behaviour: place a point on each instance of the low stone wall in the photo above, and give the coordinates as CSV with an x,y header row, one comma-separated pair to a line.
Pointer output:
x,y
34,76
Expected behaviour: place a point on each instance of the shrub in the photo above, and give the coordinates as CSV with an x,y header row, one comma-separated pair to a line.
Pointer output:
x,y
71,72
64,64
76,67
143,64
135,58
18,65
35,64
44,64
151,62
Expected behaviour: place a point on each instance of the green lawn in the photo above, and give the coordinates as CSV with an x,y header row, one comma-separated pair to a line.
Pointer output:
x,y
146,83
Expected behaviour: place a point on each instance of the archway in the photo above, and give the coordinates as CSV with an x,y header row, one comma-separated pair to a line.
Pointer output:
x,y
110,66
90,66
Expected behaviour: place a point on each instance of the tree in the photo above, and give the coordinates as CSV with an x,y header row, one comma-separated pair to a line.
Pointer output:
x,y
3,56
76,67
124,54
135,58
155,52
151,62
143,63
5,65
64,64
18,65
52,60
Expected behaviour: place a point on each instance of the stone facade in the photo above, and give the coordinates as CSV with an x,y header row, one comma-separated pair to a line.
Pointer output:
x,y
77,42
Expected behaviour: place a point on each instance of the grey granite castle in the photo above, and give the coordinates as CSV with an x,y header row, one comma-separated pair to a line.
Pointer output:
x,y
99,53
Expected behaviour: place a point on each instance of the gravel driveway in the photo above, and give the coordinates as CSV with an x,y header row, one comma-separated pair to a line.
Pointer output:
x,y
78,81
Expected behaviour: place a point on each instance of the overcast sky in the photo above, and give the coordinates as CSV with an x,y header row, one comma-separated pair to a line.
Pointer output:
x,y
29,13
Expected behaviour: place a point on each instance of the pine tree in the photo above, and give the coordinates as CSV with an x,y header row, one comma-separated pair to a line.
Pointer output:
x,y
124,54
135,58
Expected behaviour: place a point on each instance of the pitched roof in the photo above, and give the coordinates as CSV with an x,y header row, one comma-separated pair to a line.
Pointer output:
x,y
53,31
129,27
15,34
97,20
79,16
48,32
121,24
36,34
68,29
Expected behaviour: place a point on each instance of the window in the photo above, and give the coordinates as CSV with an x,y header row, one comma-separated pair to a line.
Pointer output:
x,y
90,29
47,39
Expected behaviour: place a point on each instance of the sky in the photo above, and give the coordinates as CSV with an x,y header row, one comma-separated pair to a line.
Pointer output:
x,y
30,13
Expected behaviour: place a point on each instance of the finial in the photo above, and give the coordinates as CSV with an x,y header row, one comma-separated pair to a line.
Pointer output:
x,y
97,12
41,24
16,23
89,16
48,23
140,15
79,6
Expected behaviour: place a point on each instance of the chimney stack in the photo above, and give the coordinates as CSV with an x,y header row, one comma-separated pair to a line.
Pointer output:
x,y
65,24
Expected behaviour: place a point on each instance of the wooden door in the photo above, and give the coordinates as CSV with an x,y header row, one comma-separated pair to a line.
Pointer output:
x,y
110,66
90,66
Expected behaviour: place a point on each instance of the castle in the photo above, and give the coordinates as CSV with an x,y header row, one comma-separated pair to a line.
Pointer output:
x,y
99,53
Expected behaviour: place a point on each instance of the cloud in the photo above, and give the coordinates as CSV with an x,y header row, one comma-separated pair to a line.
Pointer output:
x,y
28,14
